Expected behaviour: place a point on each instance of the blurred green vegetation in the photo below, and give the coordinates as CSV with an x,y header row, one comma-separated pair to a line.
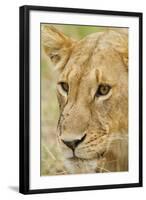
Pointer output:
x,y
50,156
78,32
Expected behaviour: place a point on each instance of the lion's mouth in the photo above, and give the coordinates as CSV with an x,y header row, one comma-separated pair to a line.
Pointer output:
x,y
79,162
98,157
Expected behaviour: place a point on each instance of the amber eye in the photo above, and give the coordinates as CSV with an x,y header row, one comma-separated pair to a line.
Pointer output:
x,y
103,89
64,86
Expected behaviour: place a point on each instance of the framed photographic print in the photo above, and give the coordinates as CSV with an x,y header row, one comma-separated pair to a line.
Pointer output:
x,y
80,99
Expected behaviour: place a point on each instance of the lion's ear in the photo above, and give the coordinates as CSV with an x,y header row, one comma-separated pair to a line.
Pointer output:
x,y
56,45
120,43
117,38
124,55
125,59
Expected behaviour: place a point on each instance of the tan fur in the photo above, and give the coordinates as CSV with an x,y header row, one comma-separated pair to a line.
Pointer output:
x,y
84,65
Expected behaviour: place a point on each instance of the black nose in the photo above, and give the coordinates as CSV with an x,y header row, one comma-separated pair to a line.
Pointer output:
x,y
74,143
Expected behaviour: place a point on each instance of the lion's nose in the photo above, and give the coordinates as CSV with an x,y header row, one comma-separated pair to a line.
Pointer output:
x,y
74,143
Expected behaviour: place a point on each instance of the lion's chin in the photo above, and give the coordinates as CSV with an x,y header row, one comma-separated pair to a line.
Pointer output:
x,y
80,166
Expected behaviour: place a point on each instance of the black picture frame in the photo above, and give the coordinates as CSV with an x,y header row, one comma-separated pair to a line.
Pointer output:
x,y
24,149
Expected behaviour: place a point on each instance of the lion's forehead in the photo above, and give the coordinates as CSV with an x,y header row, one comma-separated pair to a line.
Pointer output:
x,y
106,63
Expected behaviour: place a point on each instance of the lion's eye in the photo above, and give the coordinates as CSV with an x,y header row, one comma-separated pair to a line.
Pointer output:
x,y
103,89
64,86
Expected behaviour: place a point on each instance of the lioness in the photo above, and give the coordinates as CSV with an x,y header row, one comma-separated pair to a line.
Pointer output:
x,y
92,91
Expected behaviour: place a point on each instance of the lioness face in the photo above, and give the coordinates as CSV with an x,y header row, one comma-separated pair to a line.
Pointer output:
x,y
92,91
